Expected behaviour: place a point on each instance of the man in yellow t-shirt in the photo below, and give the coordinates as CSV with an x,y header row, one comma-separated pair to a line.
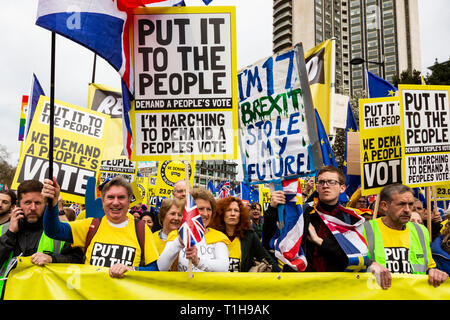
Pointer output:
x,y
397,245
116,243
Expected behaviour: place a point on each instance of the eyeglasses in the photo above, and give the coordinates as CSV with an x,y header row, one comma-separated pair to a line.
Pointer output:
x,y
330,182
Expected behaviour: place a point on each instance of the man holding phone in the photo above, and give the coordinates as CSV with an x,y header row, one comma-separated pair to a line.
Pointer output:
x,y
7,203
25,234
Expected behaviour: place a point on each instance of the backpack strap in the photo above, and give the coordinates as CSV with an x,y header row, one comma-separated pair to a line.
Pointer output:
x,y
91,232
140,233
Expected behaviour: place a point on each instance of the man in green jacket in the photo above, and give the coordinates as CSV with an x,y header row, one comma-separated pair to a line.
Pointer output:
x,y
24,235
396,244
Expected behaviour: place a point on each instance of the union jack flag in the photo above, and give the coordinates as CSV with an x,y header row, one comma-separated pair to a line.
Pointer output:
x,y
287,241
191,230
225,190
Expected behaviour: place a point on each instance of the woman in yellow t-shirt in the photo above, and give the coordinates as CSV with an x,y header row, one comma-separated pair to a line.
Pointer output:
x,y
233,219
169,217
210,254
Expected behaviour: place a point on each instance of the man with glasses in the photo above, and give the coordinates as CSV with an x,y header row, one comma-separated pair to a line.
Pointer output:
x,y
322,250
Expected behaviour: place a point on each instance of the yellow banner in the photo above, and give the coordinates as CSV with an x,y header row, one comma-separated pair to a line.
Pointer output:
x,y
78,282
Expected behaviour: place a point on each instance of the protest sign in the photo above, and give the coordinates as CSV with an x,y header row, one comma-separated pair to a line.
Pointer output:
x,y
273,120
425,125
79,139
443,192
169,172
320,65
118,167
353,153
264,197
108,101
185,74
380,144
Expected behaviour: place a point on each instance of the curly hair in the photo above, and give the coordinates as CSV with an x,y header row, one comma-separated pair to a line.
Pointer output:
x,y
218,222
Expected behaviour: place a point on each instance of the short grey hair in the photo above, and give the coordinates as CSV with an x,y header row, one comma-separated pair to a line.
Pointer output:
x,y
387,191
117,181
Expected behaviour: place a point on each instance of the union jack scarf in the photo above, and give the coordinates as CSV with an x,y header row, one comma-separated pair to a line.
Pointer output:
x,y
349,236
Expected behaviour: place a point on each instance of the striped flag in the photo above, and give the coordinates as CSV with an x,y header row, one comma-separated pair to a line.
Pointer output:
x,y
350,238
81,21
225,190
191,229
287,241
23,118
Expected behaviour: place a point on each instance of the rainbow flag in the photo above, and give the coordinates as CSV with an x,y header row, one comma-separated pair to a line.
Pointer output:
x,y
23,118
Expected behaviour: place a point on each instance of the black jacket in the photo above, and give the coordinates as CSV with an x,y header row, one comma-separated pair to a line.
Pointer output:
x,y
335,258
251,247
26,242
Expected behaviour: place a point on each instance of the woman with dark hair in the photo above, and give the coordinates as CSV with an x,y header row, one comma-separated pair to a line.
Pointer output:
x,y
233,219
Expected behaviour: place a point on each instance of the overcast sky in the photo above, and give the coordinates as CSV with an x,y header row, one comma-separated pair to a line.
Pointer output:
x,y
26,50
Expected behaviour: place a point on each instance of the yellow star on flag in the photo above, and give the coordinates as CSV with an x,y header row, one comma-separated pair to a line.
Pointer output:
x,y
391,93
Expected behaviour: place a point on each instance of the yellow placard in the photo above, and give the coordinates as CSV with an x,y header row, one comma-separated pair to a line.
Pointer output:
x,y
83,282
79,139
108,101
169,172
186,101
425,134
321,57
264,197
443,192
381,158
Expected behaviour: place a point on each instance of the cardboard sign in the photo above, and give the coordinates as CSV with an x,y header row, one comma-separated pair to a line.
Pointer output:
x,y
353,153
79,139
185,84
425,126
381,157
274,135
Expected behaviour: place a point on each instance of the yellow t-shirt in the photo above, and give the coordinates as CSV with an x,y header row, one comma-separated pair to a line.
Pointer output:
x,y
160,243
396,247
111,245
235,254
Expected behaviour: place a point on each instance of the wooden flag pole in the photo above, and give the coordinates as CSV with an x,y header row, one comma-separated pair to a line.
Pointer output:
x,y
186,179
429,210
52,113
377,204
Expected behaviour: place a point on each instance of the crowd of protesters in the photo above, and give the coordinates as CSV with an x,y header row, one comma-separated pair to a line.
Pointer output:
x,y
238,236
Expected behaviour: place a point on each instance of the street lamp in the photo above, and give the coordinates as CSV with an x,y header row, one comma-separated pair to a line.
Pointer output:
x,y
359,60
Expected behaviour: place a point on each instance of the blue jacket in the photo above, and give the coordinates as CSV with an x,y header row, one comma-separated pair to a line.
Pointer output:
x,y
441,257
